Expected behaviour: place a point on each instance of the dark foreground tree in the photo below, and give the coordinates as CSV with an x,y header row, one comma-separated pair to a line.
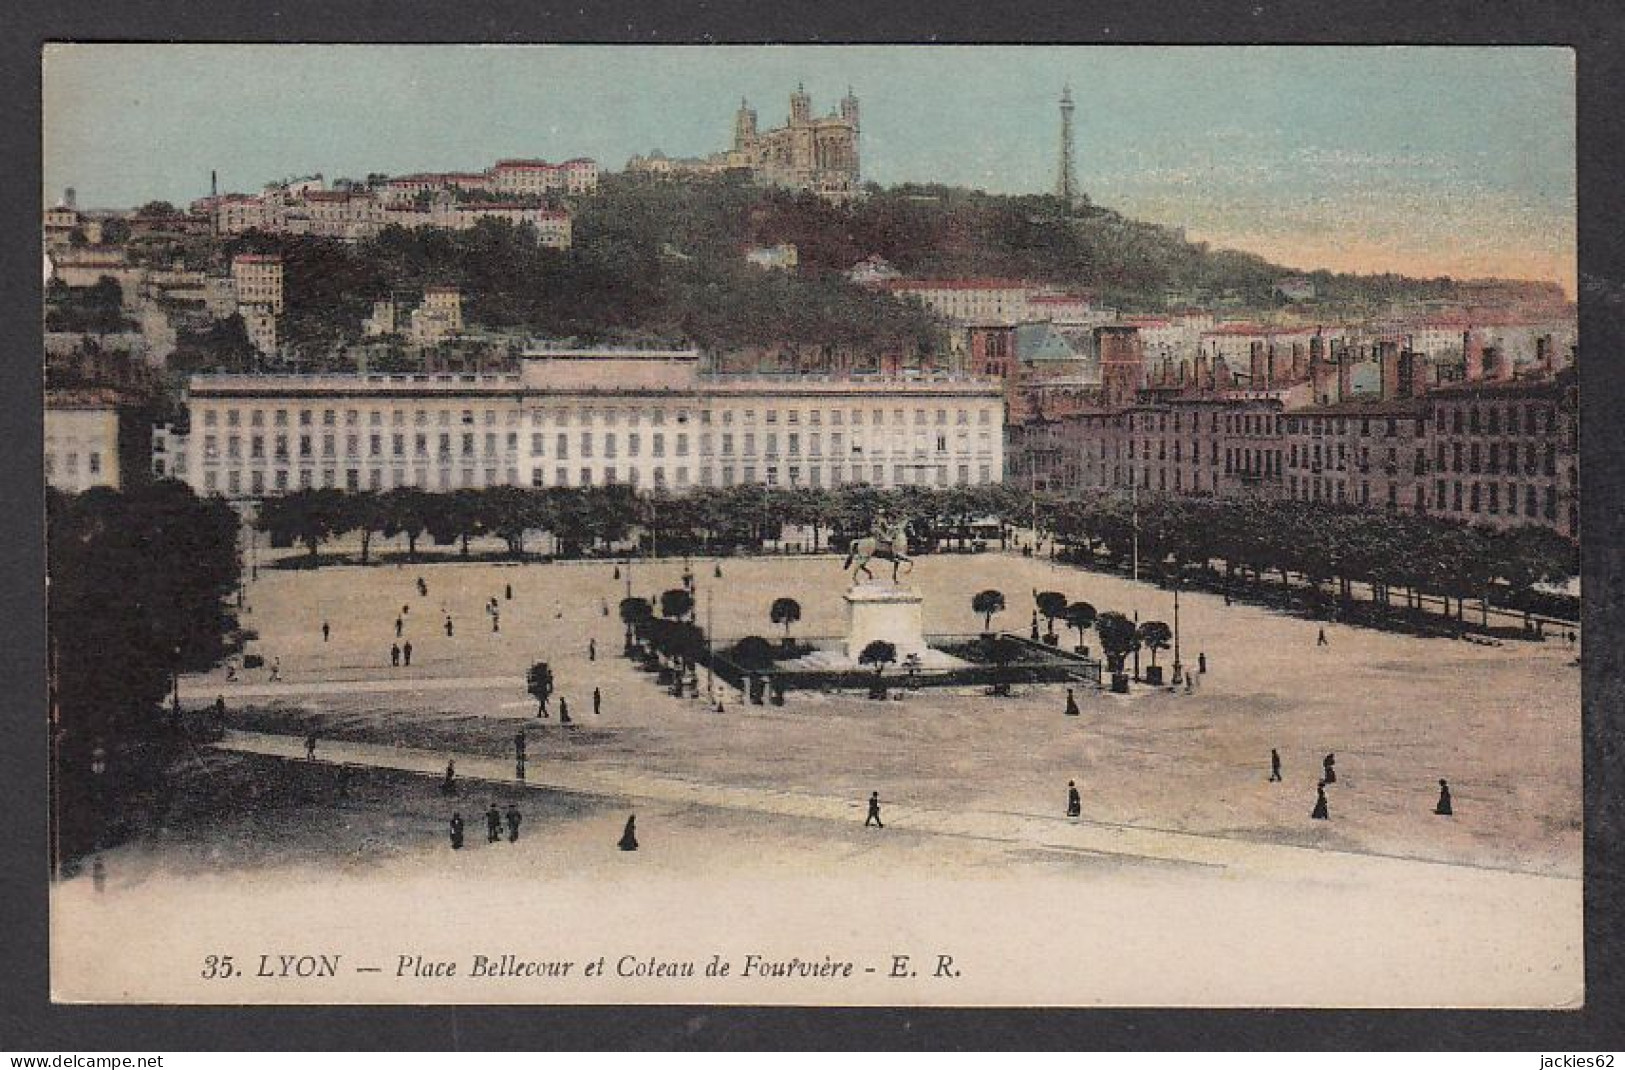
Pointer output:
x,y
1118,638
785,611
987,603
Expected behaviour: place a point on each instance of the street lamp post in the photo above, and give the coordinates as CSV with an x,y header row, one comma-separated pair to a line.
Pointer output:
x,y
1179,581
710,677
98,768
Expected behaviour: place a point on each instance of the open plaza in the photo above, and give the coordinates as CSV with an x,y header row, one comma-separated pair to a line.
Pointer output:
x,y
751,819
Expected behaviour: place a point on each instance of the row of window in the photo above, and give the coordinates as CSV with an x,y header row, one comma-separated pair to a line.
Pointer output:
x,y
609,444
1530,419
1536,419
70,463
561,417
281,480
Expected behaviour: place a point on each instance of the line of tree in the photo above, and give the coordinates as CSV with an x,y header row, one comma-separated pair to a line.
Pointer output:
x,y
138,587
705,519
1331,547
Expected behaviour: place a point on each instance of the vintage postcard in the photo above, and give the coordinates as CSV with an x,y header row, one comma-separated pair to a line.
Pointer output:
x,y
1058,526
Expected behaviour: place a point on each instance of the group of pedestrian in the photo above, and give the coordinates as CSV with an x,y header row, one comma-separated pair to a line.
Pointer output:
x,y
400,654
494,821
509,819
1328,775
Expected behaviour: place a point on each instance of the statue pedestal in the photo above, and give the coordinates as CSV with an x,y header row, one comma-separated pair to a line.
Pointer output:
x,y
889,613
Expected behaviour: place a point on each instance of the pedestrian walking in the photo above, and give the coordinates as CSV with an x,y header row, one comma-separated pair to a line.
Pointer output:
x,y
603,607
597,702
519,744
405,609
592,650
1443,809
513,823
1072,704
456,832
1329,763
558,610
395,655
629,837
310,747
1190,683
1035,626
1320,812
406,653
326,631
448,628
399,625
507,591
1201,662
493,824
564,710
519,767
496,622
1275,765
874,811
231,672
449,785
1320,640
1074,803
423,588
276,669
717,571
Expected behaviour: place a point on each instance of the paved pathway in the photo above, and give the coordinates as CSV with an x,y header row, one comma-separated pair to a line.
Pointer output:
x,y
206,690
1032,831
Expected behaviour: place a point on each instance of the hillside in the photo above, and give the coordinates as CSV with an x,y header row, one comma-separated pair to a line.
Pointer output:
x,y
662,262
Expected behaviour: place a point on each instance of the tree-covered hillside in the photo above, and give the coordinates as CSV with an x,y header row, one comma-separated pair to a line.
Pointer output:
x,y
663,262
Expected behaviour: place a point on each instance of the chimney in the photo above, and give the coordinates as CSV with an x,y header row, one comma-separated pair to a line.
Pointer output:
x,y
214,183
1388,364
1472,348
1413,373
1497,364
1255,364
70,198
1345,370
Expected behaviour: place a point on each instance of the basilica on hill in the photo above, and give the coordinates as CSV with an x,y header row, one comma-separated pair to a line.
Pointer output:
x,y
814,153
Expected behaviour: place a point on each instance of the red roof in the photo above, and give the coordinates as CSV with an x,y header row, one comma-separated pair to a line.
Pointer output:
x,y
955,284
508,207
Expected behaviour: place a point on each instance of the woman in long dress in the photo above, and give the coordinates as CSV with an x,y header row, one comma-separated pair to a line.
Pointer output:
x,y
629,838
1444,809
1320,812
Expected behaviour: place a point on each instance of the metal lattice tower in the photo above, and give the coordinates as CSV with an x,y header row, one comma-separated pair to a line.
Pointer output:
x,y
1066,181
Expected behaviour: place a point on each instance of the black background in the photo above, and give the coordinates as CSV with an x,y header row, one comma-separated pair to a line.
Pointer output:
x,y
29,1022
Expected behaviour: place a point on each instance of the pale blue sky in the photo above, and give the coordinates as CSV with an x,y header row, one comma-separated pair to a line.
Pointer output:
x,y
1457,160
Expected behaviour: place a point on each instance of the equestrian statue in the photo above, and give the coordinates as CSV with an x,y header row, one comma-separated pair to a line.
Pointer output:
x,y
888,541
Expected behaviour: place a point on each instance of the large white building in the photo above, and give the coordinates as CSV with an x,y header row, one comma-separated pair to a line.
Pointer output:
x,y
81,441
971,302
649,419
